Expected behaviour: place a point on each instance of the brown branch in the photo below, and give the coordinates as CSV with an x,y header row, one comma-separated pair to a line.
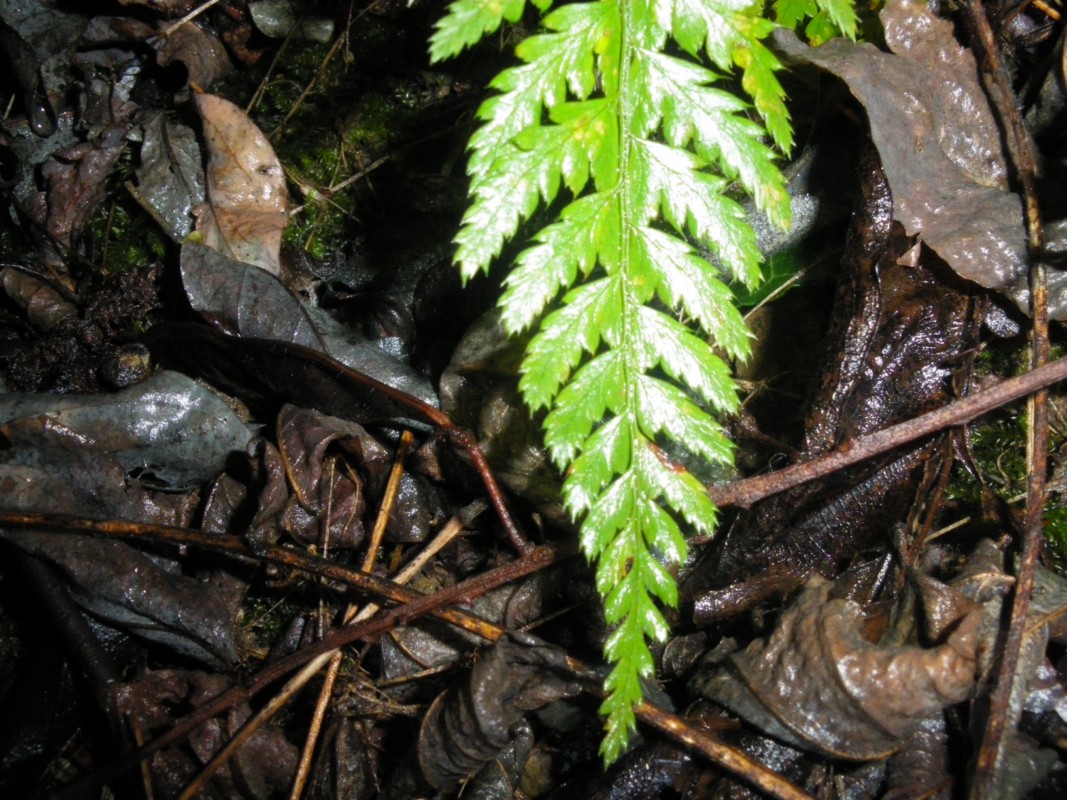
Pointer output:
x,y
991,754
745,492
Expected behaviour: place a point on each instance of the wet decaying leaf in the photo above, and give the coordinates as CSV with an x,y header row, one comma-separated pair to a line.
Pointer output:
x,y
816,683
322,488
265,373
280,18
430,644
37,38
468,726
921,767
77,179
200,51
1027,755
150,704
247,204
940,146
170,179
168,427
45,306
48,466
247,300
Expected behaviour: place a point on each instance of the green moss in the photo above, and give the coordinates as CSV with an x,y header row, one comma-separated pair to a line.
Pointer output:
x,y
266,616
119,238
998,448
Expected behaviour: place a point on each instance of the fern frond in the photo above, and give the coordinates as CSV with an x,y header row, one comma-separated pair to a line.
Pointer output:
x,y
639,149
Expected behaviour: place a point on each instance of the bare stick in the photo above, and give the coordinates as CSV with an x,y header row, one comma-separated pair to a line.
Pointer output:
x,y
992,754
196,12
392,488
745,492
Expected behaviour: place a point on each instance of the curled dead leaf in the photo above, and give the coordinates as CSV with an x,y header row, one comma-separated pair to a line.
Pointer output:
x,y
468,725
203,55
816,683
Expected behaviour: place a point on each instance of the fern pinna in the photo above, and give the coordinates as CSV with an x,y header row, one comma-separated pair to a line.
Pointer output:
x,y
646,146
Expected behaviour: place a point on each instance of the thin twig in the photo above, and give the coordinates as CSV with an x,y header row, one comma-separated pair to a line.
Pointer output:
x,y
392,488
196,12
991,754
745,492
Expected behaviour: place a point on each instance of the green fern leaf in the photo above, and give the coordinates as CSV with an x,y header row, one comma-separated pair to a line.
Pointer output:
x,y
827,17
565,248
468,21
639,149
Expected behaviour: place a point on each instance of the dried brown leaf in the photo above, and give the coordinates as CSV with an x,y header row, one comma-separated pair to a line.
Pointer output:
x,y
247,204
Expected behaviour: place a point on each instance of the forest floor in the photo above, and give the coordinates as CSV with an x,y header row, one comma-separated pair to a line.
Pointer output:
x,y
252,421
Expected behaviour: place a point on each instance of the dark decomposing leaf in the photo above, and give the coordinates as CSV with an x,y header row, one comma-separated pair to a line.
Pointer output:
x,y
921,768
45,306
940,146
328,501
429,644
76,183
77,180
266,373
1022,761
168,426
247,205
46,465
358,751
816,683
37,38
468,725
150,705
31,150
170,180
316,486
200,51
251,507
249,301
